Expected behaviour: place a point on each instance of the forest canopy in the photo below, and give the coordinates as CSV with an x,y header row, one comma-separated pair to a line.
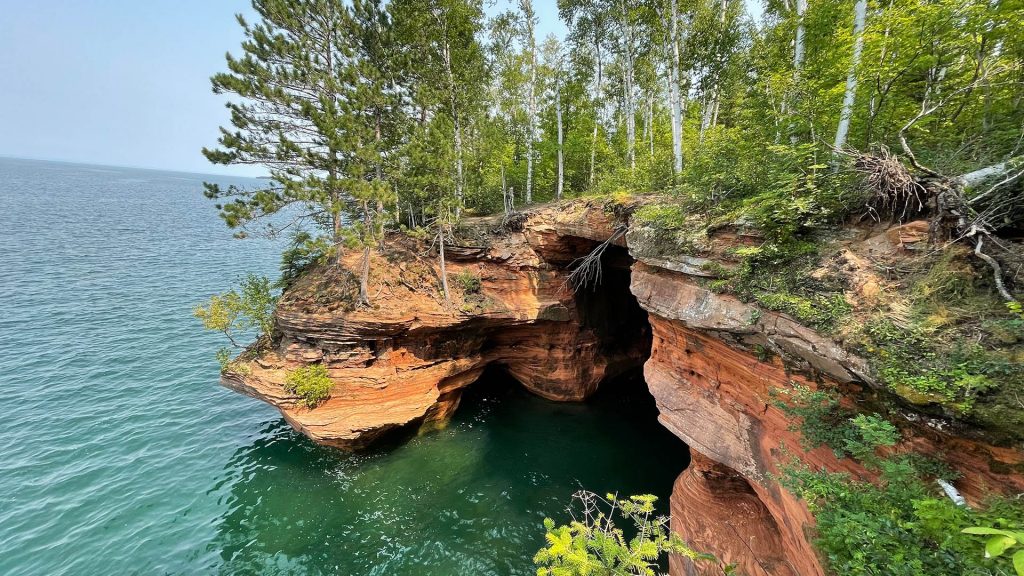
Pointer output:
x,y
372,116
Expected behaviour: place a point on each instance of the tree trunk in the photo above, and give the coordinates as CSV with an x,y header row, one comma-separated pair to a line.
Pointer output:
x,y
558,117
709,116
444,270
504,190
675,96
627,88
798,58
650,123
457,128
798,49
335,213
364,274
859,15
597,113
532,112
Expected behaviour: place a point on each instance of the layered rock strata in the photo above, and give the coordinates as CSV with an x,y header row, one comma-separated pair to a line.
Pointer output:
x,y
404,361
713,361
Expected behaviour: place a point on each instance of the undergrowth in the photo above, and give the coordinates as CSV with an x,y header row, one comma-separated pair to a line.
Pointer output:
x,y
949,342
900,524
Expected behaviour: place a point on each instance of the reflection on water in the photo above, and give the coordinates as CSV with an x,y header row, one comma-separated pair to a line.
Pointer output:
x,y
468,499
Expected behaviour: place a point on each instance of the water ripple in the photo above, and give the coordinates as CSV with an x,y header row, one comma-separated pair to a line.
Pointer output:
x,y
122,455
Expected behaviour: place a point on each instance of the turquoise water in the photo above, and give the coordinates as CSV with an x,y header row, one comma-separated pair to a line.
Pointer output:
x,y
119,454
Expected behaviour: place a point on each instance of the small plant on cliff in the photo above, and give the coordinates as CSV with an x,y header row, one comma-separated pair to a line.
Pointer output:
x,y
238,311
311,383
248,309
824,421
304,251
592,543
899,525
468,281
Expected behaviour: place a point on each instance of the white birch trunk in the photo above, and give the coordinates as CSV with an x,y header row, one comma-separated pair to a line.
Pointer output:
x,y
677,113
798,57
650,123
630,102
859,16
558,117
457,128
798,50
597,112
532,112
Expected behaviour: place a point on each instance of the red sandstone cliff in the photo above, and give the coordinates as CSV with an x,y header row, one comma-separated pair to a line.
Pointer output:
x,y
405,361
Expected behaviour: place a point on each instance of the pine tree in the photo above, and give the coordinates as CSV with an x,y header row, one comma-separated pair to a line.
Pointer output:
x,y
288,118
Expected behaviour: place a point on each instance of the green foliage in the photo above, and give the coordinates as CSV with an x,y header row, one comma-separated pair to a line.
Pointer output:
x,y
1000,542
592,544
303,252
900,526
663,216
909,361
244,310
777,276
819,311
311,383
224,359
468,281
824,421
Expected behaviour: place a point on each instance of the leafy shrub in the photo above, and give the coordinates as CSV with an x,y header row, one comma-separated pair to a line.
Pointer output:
x,y
818,311
824,421
228,363
781,188
311,383
909,361
234,311
1000,541
592,543
303,252
900,526
660,215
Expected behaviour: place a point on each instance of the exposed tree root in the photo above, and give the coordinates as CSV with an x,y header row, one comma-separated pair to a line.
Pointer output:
x,y
896,190
956,211
587,270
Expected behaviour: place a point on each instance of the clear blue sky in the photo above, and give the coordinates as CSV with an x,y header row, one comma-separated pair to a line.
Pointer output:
x,y
123,82
126,82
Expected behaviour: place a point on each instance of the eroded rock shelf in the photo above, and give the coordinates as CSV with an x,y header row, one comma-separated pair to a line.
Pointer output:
x,y
405,361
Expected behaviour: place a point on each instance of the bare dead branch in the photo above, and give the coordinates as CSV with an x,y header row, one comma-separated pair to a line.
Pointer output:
x,y
587,270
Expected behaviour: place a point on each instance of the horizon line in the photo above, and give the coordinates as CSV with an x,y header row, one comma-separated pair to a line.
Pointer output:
x,y
104,165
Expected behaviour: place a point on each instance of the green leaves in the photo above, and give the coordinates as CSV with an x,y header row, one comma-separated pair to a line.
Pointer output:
x,y
824,421
996,545
902,525
234,312
999,542
311,383
594,544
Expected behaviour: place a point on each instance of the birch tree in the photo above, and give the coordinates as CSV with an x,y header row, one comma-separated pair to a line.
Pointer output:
x,y
859,16
553,61
628,48
675,96
530,44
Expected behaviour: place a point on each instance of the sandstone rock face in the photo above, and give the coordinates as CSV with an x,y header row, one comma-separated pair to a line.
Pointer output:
x,y
405,361
714,393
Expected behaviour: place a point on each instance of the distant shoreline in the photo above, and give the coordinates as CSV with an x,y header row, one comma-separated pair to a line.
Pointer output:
x,y
4,157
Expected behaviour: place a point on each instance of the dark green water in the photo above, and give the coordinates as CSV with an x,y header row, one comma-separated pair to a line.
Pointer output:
x,y
120,453
465,500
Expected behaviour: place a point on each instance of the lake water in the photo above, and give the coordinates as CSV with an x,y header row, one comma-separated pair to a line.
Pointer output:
x,y
120,454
